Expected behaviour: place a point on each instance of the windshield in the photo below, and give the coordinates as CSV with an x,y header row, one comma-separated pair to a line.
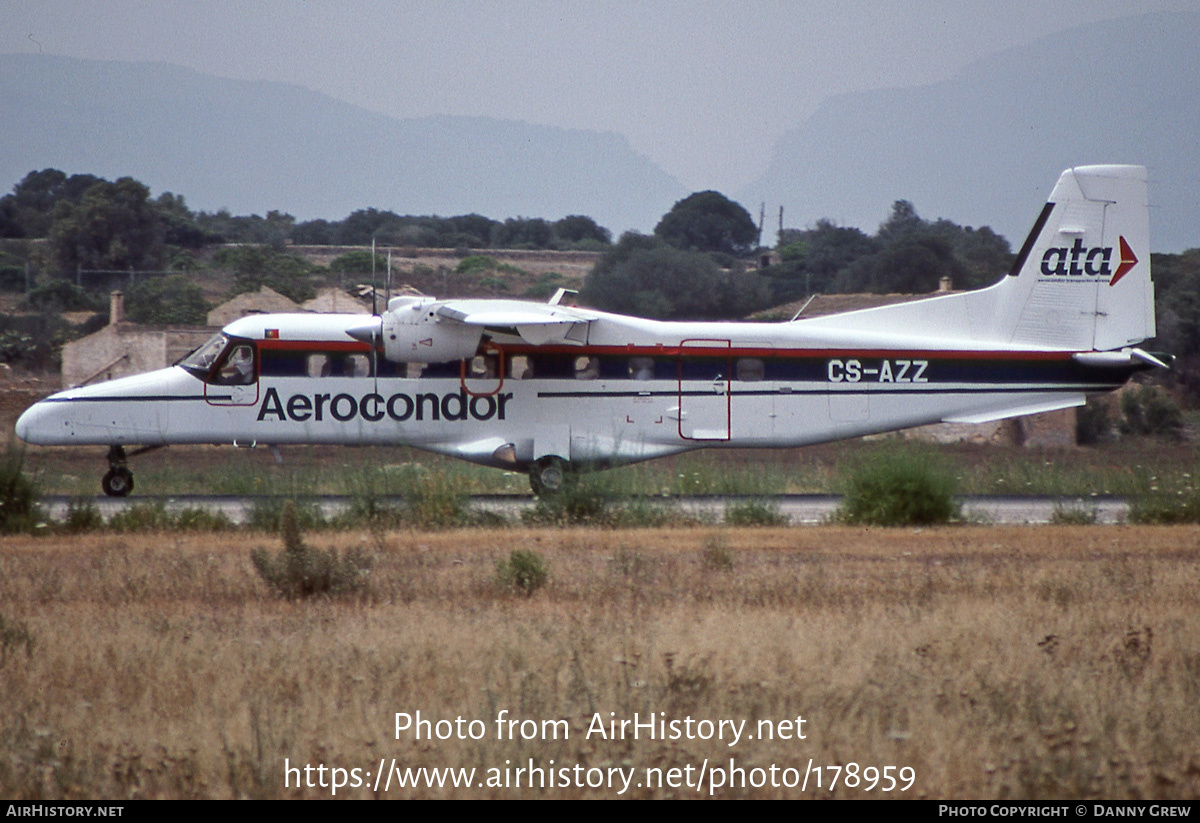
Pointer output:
x,y
200,361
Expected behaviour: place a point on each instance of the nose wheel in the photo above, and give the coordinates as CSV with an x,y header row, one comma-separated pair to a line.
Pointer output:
x,y
118,480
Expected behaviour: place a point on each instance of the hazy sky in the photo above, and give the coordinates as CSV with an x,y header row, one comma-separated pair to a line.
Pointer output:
x,y
704,88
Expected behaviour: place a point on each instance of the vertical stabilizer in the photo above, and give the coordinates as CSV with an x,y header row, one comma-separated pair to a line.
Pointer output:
x,y
1082,278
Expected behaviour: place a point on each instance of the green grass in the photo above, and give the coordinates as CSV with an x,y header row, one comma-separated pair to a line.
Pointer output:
x,y
1128,467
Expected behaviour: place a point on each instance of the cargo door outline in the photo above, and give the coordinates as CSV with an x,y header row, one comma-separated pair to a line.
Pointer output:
x,y
704,407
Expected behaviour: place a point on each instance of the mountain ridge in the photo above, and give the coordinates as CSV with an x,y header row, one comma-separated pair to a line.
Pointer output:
x,y
252,146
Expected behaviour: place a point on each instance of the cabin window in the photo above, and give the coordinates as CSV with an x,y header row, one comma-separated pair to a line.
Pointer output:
x,y
553,365
319,365
749,369
484,367
520,368
587,368
452,368
356,365
641,368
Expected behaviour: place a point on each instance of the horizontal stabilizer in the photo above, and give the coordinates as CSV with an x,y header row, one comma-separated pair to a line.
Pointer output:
x,y
1055,404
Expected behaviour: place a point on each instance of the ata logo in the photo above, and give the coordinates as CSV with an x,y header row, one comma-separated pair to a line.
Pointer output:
x,y
1077,261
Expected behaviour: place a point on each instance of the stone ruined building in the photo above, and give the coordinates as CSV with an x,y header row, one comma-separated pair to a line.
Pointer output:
x,y
264,301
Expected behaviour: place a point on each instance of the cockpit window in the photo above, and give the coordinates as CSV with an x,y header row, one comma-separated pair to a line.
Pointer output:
x,y
200,362
232,359
237,369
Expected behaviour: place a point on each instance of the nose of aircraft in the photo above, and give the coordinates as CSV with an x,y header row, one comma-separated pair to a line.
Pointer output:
x,y
31,424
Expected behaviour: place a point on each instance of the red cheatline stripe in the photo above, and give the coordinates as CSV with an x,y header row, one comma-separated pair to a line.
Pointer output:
x,y
314,345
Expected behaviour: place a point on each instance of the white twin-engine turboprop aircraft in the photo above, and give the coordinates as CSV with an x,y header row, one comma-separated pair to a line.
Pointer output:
x,y
545,387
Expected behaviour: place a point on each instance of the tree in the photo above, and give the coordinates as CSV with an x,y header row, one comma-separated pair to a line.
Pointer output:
x,y
645,277
821,252
255,266
28,211
708,221
522,233
914,264
113,226
179,224
578,229
176,300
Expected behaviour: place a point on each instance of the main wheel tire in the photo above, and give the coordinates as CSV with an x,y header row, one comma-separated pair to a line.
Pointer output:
x,y
117,482
548,475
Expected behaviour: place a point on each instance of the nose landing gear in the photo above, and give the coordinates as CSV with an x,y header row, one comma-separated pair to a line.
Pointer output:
x,y
118,480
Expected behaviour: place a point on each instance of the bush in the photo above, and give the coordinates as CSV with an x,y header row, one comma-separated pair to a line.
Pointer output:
x,y
755,513
1093,423
82,516
523,572
300,571
476,263
902,488
142,517
1148,410
1073,515
577,503
435,502
1166,509
18,494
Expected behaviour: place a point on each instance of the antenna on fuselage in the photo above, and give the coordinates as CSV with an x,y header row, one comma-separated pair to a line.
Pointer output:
x,y
374,282
796,316
387,292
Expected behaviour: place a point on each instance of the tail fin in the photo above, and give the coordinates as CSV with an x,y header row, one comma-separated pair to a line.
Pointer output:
x,y
1082,278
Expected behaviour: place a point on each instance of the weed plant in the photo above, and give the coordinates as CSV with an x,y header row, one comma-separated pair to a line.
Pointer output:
x,y
436,501
902,487
14,635
266,515
523,572
301,571
18,494
755,513
601,500
1075,514
82,516
716,555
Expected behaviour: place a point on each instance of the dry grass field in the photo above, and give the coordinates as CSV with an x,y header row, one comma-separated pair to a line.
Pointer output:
x,y
1054,662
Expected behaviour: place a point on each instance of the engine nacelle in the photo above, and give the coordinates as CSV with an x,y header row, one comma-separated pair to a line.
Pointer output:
x,y
414,333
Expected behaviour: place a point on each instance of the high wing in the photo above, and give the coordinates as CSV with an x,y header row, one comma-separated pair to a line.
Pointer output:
x,y
537,324
428,330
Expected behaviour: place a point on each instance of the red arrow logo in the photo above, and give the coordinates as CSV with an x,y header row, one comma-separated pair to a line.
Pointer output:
x,y
1128,261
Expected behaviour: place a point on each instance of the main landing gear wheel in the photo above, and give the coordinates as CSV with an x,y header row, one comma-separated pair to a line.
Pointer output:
x,y
548,475
118,482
